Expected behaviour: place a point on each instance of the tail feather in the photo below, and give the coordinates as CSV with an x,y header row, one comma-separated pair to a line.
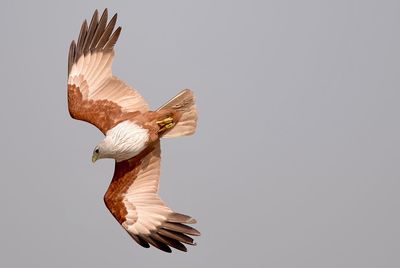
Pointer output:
x,y
184,108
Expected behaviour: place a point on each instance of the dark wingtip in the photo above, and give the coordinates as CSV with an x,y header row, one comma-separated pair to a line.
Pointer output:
x,y
96,35
182,228
104,15
139,240
95,13
91,32
180,218
169,241
113,39
177,236
158,244
71,55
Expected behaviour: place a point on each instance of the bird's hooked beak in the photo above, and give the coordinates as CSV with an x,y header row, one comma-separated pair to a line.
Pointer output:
x,y
95,155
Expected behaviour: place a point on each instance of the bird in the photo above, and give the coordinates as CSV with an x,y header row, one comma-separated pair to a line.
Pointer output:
x,y
132,134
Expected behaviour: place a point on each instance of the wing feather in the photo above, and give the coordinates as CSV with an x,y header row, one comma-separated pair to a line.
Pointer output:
x,y
81,38
133,200
99,29
92,28
107,32
71,55
113,39
91,83
170,242
177,236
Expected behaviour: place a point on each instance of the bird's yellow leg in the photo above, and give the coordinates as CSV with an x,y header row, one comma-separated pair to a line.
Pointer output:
x,y
165,124
165,121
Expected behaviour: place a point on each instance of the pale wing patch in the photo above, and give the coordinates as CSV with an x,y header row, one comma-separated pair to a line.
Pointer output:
x,y
149,210
90,70
92,74
142,198
145,216
150,213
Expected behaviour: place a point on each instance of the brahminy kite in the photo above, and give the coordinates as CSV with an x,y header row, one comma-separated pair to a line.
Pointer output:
x,y
132,136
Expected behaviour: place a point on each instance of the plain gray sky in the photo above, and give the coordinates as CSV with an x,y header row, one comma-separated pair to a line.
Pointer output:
x,y
296,158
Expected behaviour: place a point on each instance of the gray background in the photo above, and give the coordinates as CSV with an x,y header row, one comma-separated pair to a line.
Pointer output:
x,y
296,158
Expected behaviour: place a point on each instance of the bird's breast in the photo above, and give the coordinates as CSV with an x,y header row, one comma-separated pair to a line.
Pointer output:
x,y
127,140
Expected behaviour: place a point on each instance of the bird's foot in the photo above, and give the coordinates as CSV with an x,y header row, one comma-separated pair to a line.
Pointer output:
x,y
166,124
165,121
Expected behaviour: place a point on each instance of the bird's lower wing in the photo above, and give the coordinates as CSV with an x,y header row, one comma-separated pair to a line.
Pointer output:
x,y
133,200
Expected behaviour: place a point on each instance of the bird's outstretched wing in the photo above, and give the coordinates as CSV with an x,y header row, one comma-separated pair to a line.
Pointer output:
x,y
133,200
94,94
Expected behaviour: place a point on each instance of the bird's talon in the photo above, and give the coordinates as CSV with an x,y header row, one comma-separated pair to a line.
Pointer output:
x,y
165,121
167,126
170,125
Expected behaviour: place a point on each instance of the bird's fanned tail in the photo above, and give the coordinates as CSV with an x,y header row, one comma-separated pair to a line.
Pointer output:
x,y
183,115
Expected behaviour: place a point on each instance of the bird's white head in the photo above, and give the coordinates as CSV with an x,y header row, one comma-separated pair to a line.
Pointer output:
x,y
122,142
103,150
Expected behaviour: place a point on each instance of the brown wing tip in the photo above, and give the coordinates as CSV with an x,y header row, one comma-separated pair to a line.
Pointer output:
x,y
181,218
113,39
139,240
95,14
97,35
114,17
172,233
161,245
71,55
177,222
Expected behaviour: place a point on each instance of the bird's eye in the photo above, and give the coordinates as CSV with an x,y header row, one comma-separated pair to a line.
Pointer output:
x,y
96,151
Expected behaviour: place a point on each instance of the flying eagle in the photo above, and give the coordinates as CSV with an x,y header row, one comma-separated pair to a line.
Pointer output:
x,y
132,136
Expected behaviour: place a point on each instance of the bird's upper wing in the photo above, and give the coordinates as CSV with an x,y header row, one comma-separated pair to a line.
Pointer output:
x,y
133,200
94,94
